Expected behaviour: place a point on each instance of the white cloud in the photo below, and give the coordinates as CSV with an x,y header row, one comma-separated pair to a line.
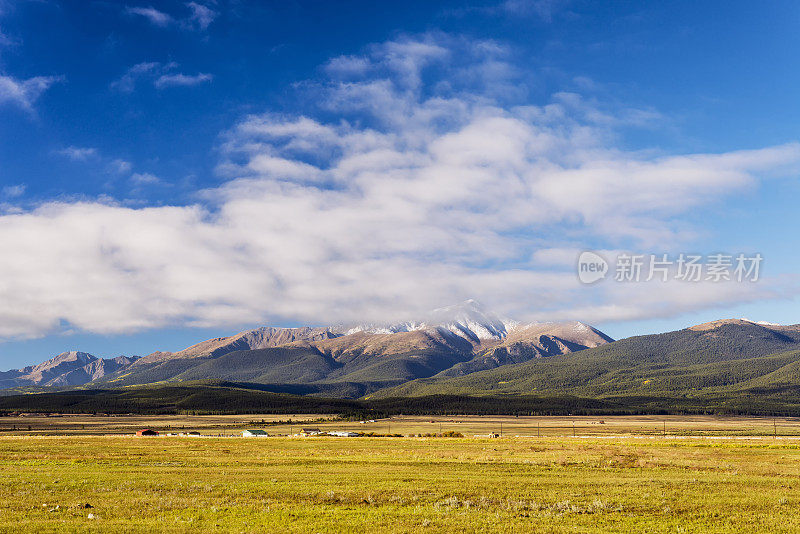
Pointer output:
x,y
198,19
127,82
120,166
201,17
78,153
178,80
160,75
156,17
24,93
83,154
14,191
144,179
347,66
427,187
559,256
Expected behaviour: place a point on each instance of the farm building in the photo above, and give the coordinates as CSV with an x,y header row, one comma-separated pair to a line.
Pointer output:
x,y
146,432
344,434
254,433
310,432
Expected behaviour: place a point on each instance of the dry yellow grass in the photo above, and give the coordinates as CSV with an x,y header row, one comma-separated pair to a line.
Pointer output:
x,y
608,483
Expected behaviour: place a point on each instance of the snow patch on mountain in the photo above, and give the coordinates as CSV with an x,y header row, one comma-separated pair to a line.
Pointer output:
x,y
762,323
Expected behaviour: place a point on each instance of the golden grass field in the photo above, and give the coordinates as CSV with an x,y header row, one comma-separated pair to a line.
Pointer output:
x,y
620,476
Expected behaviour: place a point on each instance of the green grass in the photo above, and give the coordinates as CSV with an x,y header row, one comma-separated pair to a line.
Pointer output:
x,y
398,485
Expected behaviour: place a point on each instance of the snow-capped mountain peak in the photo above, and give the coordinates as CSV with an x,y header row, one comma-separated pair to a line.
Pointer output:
x,y
467,319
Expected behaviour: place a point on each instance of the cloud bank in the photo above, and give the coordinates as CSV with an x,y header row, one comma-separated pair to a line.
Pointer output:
x,y
416,176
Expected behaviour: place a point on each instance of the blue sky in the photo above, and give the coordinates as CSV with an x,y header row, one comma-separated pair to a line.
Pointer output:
x,y
172,171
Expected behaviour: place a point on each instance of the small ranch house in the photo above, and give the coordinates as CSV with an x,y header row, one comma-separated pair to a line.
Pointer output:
x,y
254,433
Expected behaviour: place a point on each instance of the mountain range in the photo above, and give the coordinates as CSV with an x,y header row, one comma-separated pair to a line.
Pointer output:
x,y
460,352
724,357
67,369
340,360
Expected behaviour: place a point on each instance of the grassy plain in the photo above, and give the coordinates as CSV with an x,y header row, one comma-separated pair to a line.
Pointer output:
x,y
616,480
